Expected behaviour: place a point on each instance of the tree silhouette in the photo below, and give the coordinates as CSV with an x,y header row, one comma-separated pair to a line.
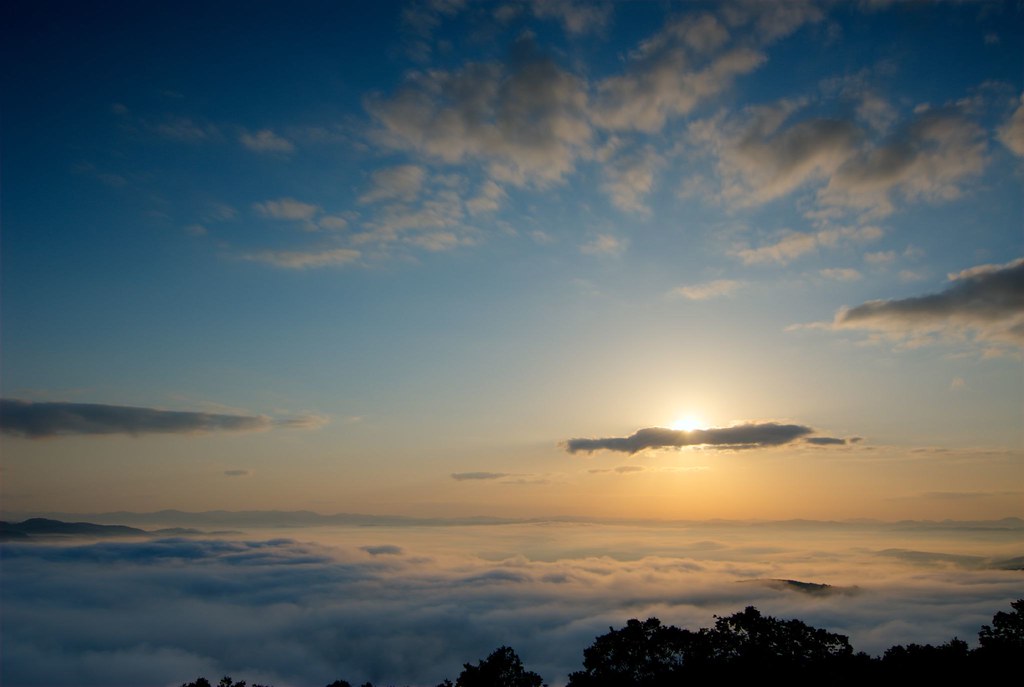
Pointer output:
x,y
745,644
1002,642
750,637
502,668
1006,632
642,653
917,662
225,681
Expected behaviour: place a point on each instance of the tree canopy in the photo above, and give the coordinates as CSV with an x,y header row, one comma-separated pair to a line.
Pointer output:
x,y
502,668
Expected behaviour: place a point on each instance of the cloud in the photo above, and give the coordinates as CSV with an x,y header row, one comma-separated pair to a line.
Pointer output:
x,y
287,209
825,441
797,244
759,161
487,200
768,151
524,120
630,178
751,435
605,244
577,17
185,130
986,302
219,212
706,290
237,473
929,158
300,260
841,274
463,476
881,257
395,183
38,420
773,20
266,141
620,470
332,222
382,550
669,74
1011,133
436,220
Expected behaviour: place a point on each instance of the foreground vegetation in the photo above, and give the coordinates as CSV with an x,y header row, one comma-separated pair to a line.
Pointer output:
x,y
749,646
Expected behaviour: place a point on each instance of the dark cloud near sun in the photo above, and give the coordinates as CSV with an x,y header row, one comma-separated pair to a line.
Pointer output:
x,y
826,441
40,420
751,435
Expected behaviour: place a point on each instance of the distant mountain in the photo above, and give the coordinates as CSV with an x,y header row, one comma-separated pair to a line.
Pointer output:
x,y
810,588
44,527
185,520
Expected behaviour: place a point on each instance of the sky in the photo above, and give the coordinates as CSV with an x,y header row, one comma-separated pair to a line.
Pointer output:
x,y
670,260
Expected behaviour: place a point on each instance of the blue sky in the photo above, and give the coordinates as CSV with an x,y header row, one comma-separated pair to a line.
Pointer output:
x,y
329,255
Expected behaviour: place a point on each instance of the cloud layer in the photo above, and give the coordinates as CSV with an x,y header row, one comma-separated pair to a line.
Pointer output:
x,y
411,608
38,420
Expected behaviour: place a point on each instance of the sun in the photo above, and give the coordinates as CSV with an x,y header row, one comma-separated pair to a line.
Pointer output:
x,y
688,423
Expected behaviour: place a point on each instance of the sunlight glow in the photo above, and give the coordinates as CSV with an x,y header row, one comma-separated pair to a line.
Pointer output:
x,y
688,423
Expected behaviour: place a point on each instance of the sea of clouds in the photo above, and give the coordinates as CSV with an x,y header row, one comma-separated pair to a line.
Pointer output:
x,y
411,604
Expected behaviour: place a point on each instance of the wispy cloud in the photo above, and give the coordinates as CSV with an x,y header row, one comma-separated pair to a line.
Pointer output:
x,y
798,244
395,183
841,273
706,290
40,420
266,141
669,74
185,130
630,178
1011,133
576,16
287,209
464,476
299,260
605,244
